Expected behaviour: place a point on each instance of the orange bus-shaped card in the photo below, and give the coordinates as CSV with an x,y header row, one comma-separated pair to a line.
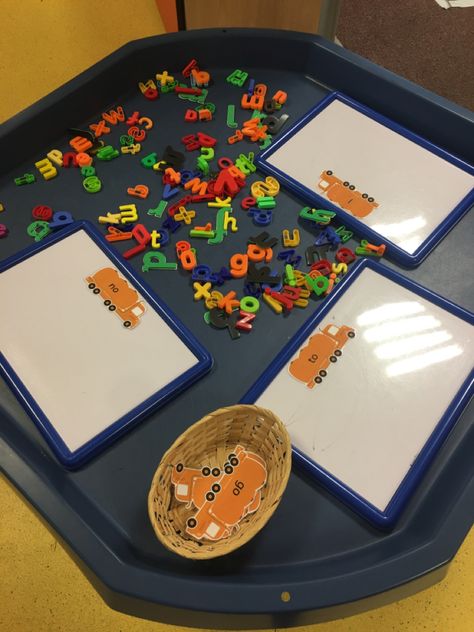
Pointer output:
x,y
118,296
223,497
318,353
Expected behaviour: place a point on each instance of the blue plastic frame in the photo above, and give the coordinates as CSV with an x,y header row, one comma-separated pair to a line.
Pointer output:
x,y
387,518
204,361
393,251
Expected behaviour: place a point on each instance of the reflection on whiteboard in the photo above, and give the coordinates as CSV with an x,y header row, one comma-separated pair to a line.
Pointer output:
x,y
86,365
390,183
365,390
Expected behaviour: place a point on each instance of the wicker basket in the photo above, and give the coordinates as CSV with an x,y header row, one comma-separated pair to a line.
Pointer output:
x,y
208,442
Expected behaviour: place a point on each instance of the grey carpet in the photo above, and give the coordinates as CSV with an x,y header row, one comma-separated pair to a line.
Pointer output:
x,y
417,39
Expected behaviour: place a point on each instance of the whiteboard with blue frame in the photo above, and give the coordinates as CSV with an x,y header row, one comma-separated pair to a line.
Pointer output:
x,y
385,182
86,346
370,387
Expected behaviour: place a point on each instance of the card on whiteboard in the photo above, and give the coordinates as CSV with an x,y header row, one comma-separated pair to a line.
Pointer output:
x,y
87,348
370,387
384,182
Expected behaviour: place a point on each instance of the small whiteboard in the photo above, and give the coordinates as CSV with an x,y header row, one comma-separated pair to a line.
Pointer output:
x,y
370,387
384,182
85,346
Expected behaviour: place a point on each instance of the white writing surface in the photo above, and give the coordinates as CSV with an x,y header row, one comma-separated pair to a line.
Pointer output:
x,y
413,189
78,360
371,413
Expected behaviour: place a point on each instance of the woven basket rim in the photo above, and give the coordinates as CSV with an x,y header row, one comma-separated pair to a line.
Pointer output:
x,y
257,520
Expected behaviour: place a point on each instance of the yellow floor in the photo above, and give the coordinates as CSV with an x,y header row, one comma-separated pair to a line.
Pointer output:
x,y
42,590
44,43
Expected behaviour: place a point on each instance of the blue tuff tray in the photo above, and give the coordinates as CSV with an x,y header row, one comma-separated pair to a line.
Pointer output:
x,y
330,562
